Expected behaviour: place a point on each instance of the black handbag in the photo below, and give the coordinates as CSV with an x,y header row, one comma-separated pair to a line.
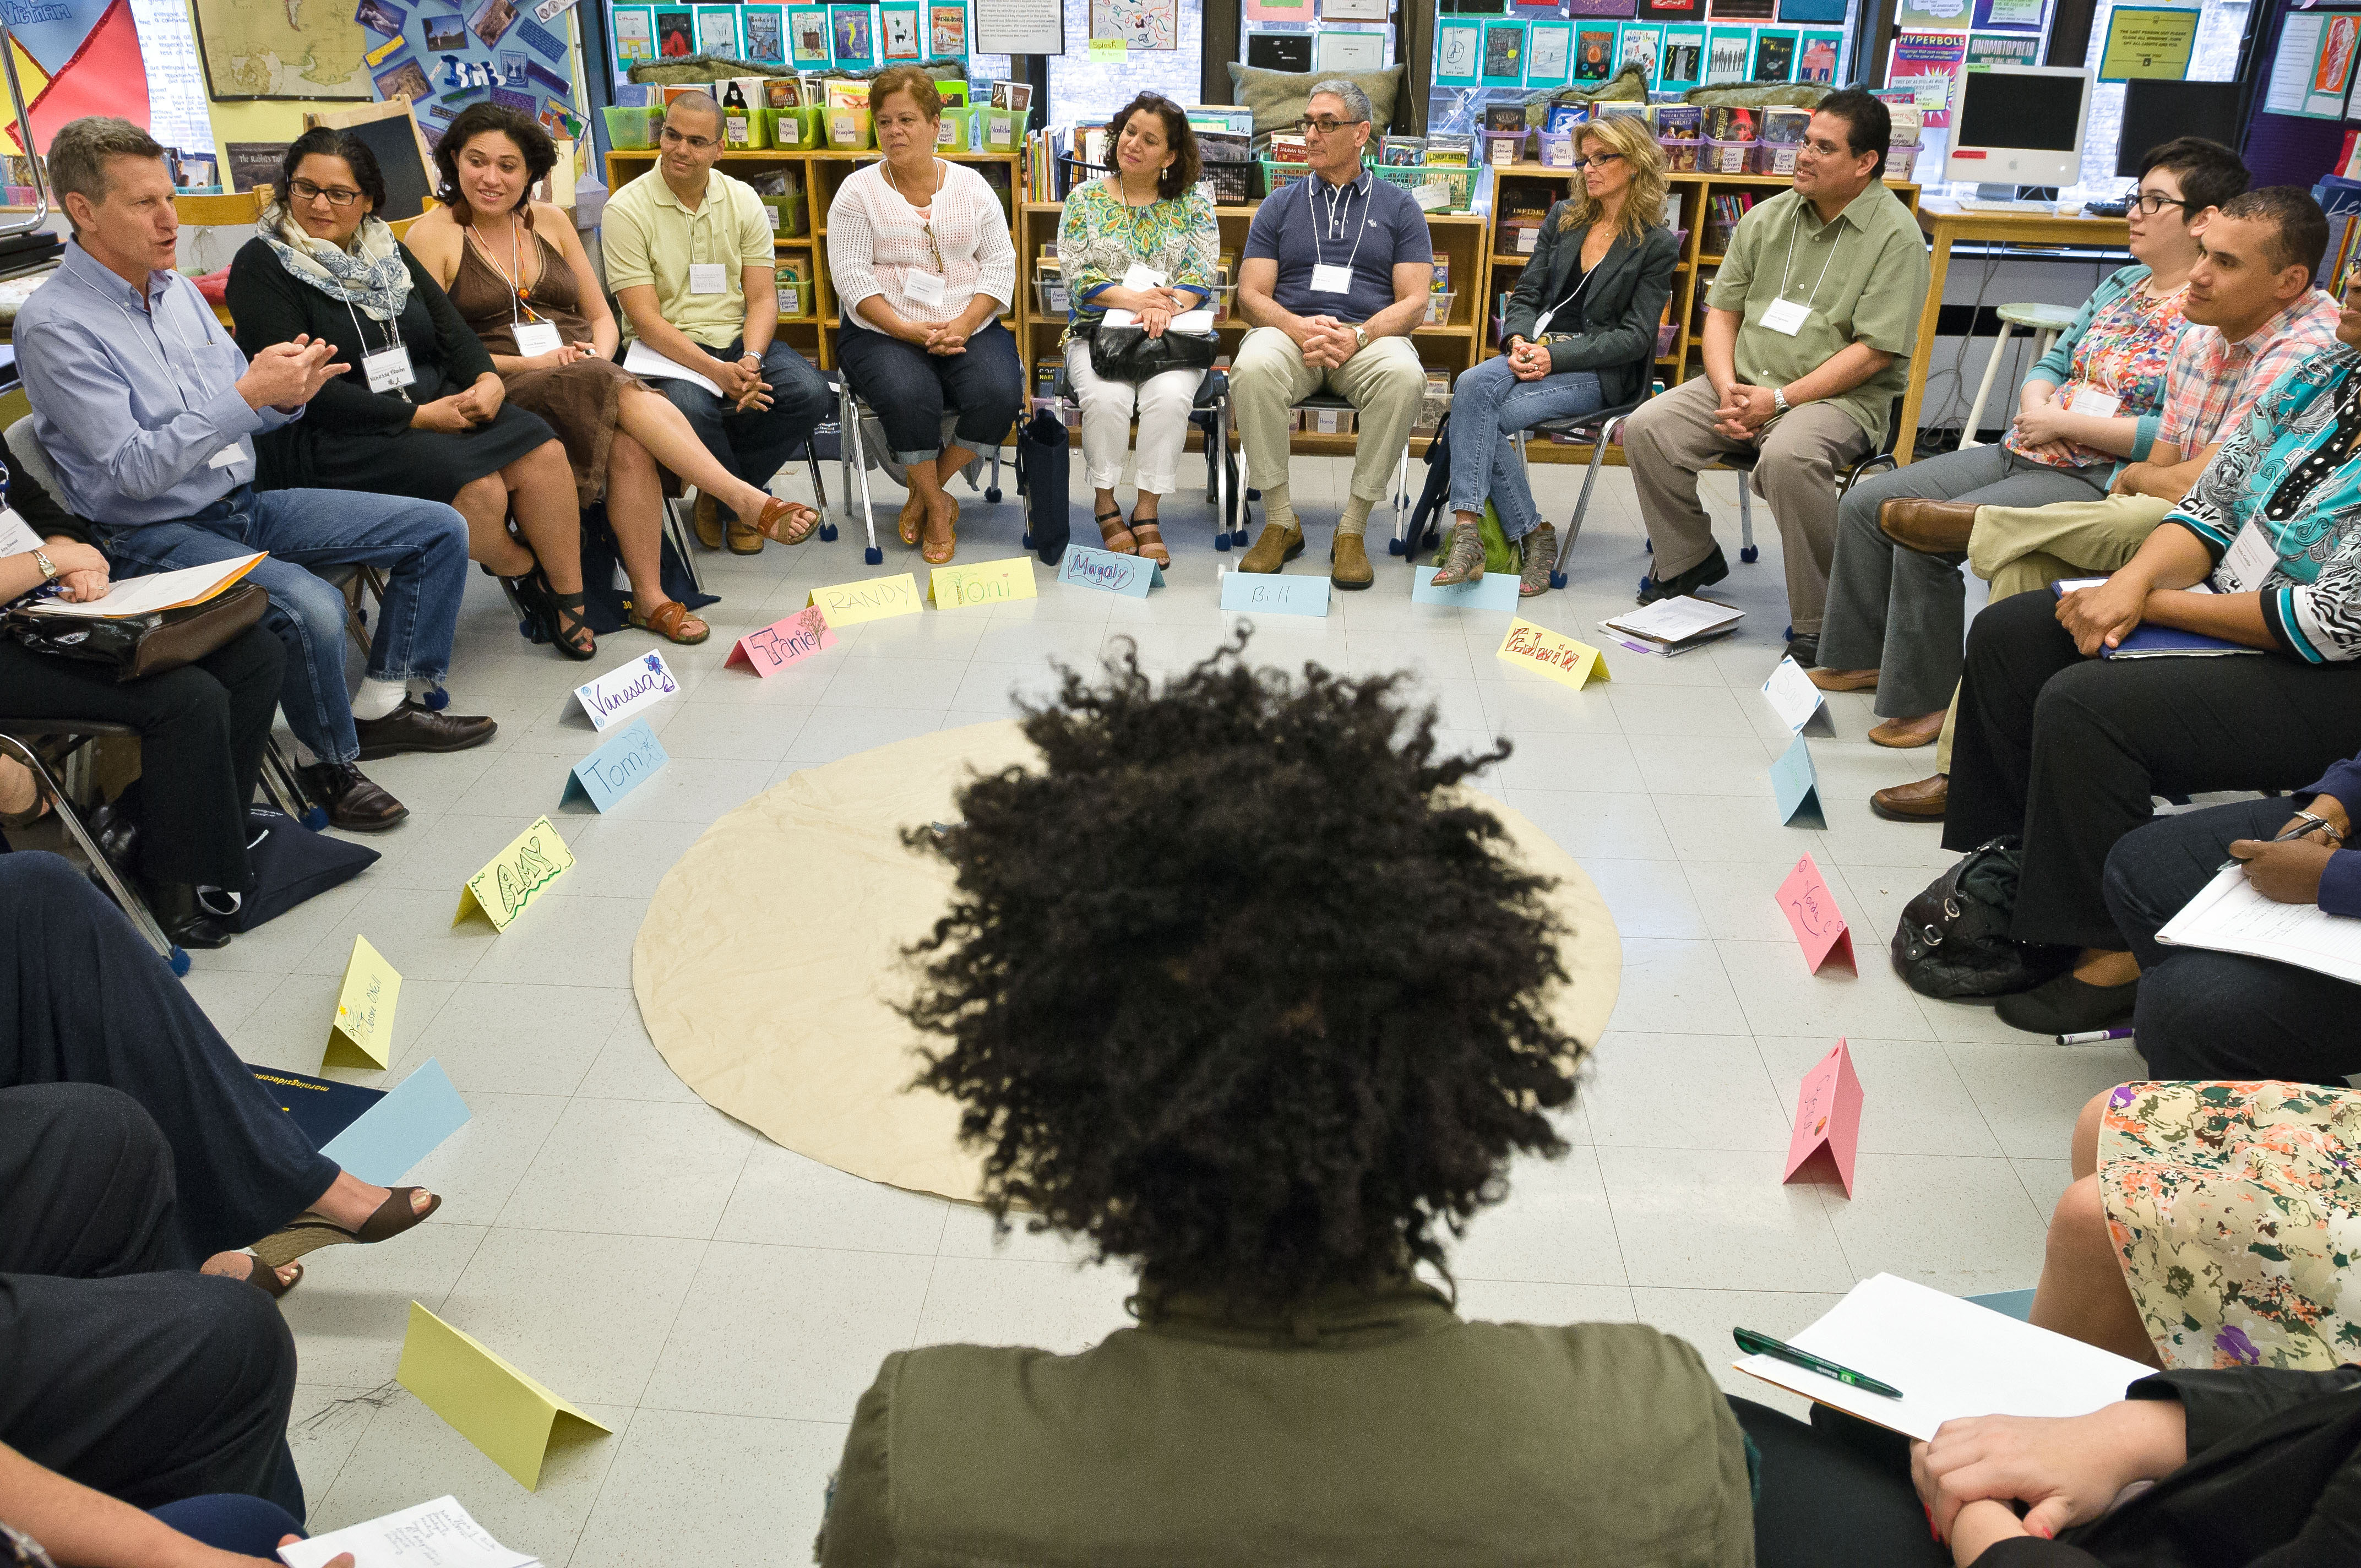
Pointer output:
x,y
1128,354
137,645
292,864
1953,939
1043,469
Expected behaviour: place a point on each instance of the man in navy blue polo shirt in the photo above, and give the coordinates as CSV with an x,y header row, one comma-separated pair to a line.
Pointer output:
x,y
1336,272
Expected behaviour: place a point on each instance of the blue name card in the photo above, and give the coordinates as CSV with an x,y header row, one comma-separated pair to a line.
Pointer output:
x,y
390,1138
1493,590
1797,787
1085,567
1273,594
616,769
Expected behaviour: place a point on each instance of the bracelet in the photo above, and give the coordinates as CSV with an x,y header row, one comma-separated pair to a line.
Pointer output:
x,y
2334,837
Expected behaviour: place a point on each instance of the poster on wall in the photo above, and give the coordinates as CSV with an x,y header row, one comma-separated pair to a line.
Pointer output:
x,y
1141,24
947,31
449,57
1594,53
1817,54
633,29
1927,64
1504,54
1728,55
1672,10
898,31
676,33
766,34
806,35
2010,16
1812,11
1683,60
1740,10
1641,44
1549,54
2313,67
250,50
717,31
1459,53
1774,56
849,35
1938,15
2156,43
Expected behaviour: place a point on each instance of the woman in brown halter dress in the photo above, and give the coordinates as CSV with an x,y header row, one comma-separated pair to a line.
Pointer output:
x,y
516,270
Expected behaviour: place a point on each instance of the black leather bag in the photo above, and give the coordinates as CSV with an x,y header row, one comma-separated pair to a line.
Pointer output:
x,y
1953,939
140,645
1044,466
292,864
1128,354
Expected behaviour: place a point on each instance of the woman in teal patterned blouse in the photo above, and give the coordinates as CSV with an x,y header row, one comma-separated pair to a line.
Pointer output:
x,y
1141,240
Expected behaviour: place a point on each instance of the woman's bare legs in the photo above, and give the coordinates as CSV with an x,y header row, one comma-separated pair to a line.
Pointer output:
x,y
541,496
485,504
929,480
2082,1293
662,431
635,511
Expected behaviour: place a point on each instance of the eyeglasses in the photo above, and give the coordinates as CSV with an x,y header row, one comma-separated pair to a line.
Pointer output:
x,y
1596,160
1324,125
2149,203
696,144
304,191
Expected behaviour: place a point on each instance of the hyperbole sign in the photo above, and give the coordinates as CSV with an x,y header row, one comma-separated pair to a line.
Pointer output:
x,y
782,643
872,599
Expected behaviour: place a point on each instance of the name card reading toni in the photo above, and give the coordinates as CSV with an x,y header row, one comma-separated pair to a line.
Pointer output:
x,y
618,768
985,582
516,876
782,643
362,1035
1492,591
1272,594
1109,573
1812,913
625,689
1552,653
872,599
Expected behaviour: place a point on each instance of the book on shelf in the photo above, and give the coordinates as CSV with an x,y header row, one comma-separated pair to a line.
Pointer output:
x,y
1403,152
1502,118
1450,148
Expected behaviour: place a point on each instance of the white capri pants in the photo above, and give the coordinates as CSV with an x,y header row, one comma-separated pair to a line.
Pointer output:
x,y
1163,403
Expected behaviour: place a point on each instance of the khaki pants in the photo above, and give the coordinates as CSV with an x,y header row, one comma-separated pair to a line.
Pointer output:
x,y
2019,550
1384,382
1672,437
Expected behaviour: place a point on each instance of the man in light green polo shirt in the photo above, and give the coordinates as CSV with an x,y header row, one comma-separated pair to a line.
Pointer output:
x,y
690,256
1809,328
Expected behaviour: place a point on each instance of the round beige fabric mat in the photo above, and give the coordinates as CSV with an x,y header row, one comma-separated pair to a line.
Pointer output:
x,y
773,950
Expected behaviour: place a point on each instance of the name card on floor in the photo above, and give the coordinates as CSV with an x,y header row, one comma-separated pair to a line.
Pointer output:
x,y
1812,913
986,582
616,768
362,1035
1828,1120
782,643
1273,594
1085,567
1797,787
872,599
409,1123
625,689
1493,590
1796,699
490,1402
516,876
1552,653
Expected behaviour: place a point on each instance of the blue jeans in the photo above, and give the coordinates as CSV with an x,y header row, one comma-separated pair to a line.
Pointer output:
x,y
422,547
1489,403
909,389
755,444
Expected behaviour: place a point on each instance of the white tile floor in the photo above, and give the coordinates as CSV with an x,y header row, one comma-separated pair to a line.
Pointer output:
x,y
720,1302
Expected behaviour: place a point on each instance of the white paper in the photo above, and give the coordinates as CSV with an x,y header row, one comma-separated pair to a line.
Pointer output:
x,y
1792,696
2290,79
439,1534
1675,619
1187,321
922,287
1331,279
2091,400
626,689
2249,560
1139,278
1950,1357
16,535
2230,917
1431,198
536,338
707,278
145,596
1020,27
642,360
2069,585
1786,316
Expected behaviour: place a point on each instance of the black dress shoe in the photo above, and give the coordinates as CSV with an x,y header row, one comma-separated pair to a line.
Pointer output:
x,y
1805,651
1712,569
410,727
2064,1005
185,921
354,802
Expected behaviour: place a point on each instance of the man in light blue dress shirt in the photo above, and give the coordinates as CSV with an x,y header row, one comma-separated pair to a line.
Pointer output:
x,y
146,409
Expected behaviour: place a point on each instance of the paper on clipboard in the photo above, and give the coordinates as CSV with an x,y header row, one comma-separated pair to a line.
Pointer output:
x,y
2229,915
145,596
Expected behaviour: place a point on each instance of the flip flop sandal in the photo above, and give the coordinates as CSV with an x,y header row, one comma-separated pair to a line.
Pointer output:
x,y
1151,541
1108,538
310,1232
666,620
776,511
914,517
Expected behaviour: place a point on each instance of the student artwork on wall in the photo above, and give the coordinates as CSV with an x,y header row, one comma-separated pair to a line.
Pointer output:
x,y
807,35
898,28
849,35
1682,63
1774,56
1742,10
1594,53
947,31
1672,10
1458,52
1504,54
1641,44
1609,8
633,29
1728,55
717,31
1927,64
1819,52
1831,11
2010,16
766,34
676,34
1549,54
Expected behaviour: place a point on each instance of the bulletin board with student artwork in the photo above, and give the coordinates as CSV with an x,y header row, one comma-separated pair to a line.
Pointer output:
x,y
511,52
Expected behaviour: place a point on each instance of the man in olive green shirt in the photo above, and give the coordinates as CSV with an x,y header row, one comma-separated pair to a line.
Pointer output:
x,y
1809,328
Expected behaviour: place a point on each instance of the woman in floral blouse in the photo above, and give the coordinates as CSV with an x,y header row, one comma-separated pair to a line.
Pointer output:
x,y
1141,240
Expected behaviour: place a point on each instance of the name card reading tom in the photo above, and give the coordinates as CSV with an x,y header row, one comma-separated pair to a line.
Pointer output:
x,y
515,877
1109,573
1272,594
984,583
782,643
626,689
872,599
1551,653
616,768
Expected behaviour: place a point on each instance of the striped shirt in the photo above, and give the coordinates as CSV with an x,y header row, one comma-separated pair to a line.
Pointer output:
x,y
877,241
2213,382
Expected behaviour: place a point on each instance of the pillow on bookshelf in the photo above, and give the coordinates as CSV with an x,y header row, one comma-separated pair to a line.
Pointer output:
x,y
1277,97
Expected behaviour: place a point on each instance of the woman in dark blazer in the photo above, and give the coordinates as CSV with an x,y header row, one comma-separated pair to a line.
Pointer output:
x,y
1580,335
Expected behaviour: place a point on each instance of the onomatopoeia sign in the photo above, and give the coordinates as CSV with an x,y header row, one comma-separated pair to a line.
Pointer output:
x,y
1828,1119
1274,595
782,643
516,876
872,599
1811,910
1109,573
986,582
625,689
618,768
1552,653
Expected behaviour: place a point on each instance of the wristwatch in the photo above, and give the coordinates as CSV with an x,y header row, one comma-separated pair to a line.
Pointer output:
x,y
750,354
1361,338
49,567
1778,399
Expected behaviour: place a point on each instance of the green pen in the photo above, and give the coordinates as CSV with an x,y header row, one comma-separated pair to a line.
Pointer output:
x,y
1754,1343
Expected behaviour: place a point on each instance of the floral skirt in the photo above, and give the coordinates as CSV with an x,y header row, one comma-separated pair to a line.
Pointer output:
x,y
2235,1210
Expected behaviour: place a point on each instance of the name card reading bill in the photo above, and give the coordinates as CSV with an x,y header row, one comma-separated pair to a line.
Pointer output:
x,y
985,583
626,689
782,643
362,1035
1812,913
1493,591
1109,573
1552,653
518,875
872,599
616,768
1271,594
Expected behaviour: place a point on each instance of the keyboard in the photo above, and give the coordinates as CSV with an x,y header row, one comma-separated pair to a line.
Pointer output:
x,y
2115,209
1982,204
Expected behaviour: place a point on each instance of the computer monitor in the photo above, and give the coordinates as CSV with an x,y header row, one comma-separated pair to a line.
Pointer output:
x,y
2156,111
2019,125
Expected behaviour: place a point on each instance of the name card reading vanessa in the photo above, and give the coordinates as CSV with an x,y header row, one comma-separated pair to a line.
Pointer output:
x,y
626,689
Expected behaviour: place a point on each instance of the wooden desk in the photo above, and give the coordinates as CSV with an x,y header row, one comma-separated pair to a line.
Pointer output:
x,y
1947,222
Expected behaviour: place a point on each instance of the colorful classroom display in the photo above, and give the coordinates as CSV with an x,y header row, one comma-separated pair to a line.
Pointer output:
x,y
446,54
1676,44
811,38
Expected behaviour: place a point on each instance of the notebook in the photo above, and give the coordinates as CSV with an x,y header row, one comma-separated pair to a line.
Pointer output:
x,y
145,596
439,1534
1675,625
2229,916
2152,642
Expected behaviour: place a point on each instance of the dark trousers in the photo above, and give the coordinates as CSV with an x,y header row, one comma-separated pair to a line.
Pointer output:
x,y
2203,1015
145,1385
83,1001
2068,750
910,389
755,444
1835,1494
245,1526
202,730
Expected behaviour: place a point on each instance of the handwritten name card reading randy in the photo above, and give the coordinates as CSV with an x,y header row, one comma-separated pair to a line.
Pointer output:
x,y
872,599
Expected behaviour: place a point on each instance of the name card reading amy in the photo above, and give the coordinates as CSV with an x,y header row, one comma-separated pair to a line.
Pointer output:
x,y
1085,567
618,768
1552,653
782,643
1272,594
872,599
516,876
625,689
985,582
1811,911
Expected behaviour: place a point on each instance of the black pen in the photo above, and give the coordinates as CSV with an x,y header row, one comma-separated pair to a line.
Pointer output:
x,y
1755,1344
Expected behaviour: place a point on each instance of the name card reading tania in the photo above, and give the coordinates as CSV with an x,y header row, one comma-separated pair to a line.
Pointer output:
x,y
872,599
1109,573
1271,594
782,643
362,1035
1552,653
618,768
985,582
517,876
625,689
1811,910
1828,1119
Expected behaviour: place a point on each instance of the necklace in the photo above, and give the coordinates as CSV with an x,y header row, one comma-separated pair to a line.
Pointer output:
x,y
513,274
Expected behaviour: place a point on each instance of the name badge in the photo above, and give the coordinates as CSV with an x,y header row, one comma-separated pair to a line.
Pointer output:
x,y
1786,317
1541,323
16,535
387,370
707,278
226,456
2092,401
533,338
924,288
1142,278
2252,555
1332,280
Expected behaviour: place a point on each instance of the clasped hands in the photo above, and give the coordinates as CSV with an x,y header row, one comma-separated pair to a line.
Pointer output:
x,y
1744,411
81,570
1156,307
2040,426
745,389
462,411
2066,1471
1529,360
1326,342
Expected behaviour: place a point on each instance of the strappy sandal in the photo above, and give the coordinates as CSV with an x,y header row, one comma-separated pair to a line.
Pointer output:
x,y
1541,562
666,620
310,1232
1462,560
572,617
928,553
914,517
776,511
1151,541
1119,539
43,798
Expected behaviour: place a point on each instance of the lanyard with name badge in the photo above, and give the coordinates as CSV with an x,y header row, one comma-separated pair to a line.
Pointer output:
x,y
2247,562
235,452
388,369
1325,279
922,287
1541,324
534,337
1784,315
704,277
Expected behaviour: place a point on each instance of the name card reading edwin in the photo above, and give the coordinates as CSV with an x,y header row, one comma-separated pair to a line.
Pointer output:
x,y
1551,653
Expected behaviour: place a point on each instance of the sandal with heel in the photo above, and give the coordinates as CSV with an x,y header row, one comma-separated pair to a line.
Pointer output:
x,y
1108,537
1151,542
573,618
309,1232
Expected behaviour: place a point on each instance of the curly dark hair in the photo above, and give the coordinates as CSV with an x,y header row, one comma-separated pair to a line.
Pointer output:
x,y
1186,168
1234,988
484,119
326,141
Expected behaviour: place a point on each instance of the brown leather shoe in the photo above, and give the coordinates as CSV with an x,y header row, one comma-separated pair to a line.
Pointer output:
x,y
707,521
1843,680
410,727
1351,568
1935,528
1925,801
1909,734
354,802
1273,548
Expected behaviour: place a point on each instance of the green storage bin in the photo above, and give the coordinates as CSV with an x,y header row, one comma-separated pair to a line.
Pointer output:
x,y
633,129
998,130
795,300
797,128
954,134
786,214
850,130
745,130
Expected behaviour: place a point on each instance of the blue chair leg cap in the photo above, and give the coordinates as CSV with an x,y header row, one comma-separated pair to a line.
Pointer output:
x,y
435,700
1751,553
1253,494
1649,546
1221,542
1397,546
1240,539
316,819
873,556
993,495
1024,540
1557,579
178,960
828,533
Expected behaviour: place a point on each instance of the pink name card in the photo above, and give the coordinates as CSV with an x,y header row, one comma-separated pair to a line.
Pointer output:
x,y
1828,1119
782,643
1811,911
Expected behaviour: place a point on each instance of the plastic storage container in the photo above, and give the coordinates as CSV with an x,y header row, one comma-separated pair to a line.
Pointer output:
x,y
786,214
1050,296
798,129
632,130
1558,149
1774,158
1456,184
1680,157
997,130
953,130
1900,161
794,298
1503,148
1438,307
1781,123
850,130
1725,156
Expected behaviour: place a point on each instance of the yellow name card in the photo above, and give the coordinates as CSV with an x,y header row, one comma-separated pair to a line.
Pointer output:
x,y
362,1035
491,1404
872,599
516,876
1552,653
985,582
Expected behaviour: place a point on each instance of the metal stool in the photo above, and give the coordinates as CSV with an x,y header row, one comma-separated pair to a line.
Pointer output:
x,y
2045,322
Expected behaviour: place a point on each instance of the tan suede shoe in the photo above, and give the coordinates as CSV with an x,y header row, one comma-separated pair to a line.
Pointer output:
x,y
1273,548
1351,562
1935,528
708,517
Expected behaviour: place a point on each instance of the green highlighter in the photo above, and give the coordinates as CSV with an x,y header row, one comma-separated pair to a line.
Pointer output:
x,y
1754,1343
